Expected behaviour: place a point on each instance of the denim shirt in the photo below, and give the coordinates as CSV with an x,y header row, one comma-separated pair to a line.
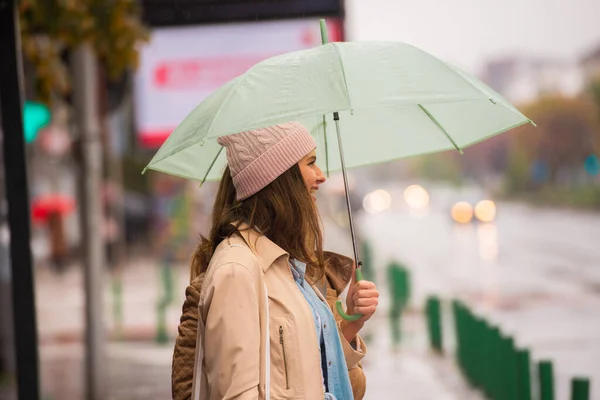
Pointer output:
x,y
333,364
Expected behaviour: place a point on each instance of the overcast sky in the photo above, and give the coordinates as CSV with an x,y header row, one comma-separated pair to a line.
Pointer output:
x,y
469,32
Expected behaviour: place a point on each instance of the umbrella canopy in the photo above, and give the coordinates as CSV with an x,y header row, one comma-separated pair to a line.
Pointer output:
x,y
393,100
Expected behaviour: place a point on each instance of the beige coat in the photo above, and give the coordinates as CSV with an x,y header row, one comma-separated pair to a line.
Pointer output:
x,y
338,270
233,307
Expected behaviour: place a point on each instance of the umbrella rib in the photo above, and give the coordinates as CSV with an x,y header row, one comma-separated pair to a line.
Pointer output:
x,y
326,145
339,57
440,127
177,174
211,166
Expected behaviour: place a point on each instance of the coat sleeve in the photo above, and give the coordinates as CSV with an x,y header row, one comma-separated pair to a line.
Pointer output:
x,y
353,352
182,370
232,333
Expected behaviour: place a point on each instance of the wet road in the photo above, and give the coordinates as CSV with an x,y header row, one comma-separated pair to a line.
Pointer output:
x,y
534,272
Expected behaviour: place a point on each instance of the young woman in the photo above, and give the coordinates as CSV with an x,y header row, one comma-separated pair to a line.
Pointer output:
x,y
258,320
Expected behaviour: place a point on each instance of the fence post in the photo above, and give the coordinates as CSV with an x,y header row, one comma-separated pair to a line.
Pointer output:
x,y
509,361
524,374
580,389
488,366
398,281
546,377
434,323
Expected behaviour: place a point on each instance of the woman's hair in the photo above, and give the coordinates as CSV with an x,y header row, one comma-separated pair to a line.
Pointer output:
x,y
283,211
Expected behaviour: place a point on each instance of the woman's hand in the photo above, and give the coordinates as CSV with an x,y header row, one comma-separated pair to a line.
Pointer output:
x,y
362,298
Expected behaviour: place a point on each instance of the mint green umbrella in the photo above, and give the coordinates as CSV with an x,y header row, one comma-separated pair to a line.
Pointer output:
x,y
386,100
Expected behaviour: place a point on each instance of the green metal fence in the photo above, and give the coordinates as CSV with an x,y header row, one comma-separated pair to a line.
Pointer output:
x,y
492,362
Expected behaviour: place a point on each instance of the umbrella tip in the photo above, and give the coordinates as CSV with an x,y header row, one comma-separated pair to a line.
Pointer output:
x,y
324,35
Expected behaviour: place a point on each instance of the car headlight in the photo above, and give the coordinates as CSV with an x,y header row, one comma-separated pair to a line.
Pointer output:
x,y
462,212
485,211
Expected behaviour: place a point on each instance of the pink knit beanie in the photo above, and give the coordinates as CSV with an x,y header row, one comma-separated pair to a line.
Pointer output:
x,y
257,157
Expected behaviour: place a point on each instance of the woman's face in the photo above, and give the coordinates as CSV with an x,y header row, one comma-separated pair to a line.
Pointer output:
x,y
311,173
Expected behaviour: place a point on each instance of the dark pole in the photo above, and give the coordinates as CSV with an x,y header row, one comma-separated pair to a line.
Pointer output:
x,y
23,295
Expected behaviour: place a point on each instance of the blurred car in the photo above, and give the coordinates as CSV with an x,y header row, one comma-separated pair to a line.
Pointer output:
x,y
472,205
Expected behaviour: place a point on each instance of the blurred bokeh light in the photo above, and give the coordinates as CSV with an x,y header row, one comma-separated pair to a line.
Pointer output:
x,y
377,201
416,197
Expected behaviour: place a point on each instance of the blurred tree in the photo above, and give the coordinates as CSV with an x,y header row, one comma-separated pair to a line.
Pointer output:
x,y
485,158
50,28
517,174
567,133
444,166
594,91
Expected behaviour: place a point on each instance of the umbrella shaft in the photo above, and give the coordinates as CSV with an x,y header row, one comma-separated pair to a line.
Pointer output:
x,y
336,118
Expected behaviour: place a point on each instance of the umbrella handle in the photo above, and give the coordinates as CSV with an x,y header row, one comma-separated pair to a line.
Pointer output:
x,y
338,304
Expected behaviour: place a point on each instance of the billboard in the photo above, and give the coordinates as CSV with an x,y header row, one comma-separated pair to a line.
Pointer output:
x,y
193,12
181,66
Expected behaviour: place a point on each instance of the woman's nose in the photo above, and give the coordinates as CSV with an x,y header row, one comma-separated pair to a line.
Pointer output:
x,y
320,176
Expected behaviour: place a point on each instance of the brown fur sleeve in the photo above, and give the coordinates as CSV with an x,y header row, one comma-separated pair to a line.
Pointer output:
x,y
358,381
182,372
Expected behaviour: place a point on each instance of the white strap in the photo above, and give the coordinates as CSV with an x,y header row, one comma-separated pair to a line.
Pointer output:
x,y
267,349
197,378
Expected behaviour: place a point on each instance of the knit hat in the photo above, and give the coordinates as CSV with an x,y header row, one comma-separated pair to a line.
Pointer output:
x,y
257,157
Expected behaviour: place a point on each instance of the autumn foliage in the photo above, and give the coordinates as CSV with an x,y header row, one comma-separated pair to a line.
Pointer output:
x,y
51,28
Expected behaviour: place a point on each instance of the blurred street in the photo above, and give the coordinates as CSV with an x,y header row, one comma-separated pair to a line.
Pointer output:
x,y
534,272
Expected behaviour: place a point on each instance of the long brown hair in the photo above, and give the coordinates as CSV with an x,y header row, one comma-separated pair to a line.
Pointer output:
x,y
283,211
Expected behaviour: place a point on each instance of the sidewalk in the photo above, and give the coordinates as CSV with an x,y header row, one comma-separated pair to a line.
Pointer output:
x,y
61,307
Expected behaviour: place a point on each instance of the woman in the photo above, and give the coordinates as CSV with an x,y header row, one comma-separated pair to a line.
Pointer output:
x,y
264,287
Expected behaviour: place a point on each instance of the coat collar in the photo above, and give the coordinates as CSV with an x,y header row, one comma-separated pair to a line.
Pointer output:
x,y
266,250
338,268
